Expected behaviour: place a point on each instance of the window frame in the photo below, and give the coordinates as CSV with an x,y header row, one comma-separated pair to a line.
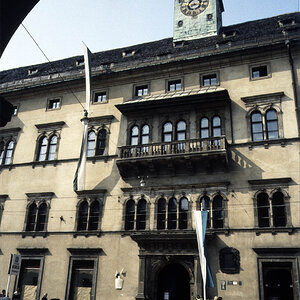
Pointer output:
x,y
175,81
268,68
3,156
217,76
48,137
101,91
137,86
87,257
52,99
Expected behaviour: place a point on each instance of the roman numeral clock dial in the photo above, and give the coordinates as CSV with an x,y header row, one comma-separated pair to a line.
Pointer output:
x,y
193,7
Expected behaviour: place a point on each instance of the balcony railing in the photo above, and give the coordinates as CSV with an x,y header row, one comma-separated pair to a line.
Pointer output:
x,y
194,146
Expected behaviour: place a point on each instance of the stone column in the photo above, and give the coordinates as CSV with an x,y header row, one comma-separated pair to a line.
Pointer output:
x,y
141,285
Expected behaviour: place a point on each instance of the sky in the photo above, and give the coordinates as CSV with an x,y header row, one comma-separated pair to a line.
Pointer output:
x,y
60,26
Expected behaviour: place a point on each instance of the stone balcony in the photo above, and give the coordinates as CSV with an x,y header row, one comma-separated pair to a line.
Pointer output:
x,y
173,158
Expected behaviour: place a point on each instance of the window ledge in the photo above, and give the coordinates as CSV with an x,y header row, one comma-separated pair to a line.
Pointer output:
x,y
44,163
34,234
105,158
274,230
267,143
87,233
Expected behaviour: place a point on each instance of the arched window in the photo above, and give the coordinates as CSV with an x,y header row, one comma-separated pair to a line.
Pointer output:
x,y
1,152
41,217
183,213
42,154
263,210
134,136
204,128
31,217
82,216
172,213
279,212
6,155
94,215
167,132
256,126
216,126
141,215
129,215
52,148
145,135
91,144
272,124
180,131
101,142
205,205
161,213
217,212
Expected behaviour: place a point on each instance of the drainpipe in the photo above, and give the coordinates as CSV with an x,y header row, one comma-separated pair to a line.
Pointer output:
x,y
297,109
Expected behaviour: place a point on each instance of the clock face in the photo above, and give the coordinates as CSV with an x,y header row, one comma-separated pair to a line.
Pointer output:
x,y
193,7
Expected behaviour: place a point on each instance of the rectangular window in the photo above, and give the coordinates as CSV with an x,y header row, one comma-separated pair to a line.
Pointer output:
x,y
30,276
257,72
209,79
174,85
54,103
82,278
100,97
141,90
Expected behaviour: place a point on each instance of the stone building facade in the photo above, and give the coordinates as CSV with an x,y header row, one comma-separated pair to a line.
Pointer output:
x,y
208,121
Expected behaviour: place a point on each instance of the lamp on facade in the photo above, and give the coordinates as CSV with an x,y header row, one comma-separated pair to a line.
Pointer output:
x,y
142,181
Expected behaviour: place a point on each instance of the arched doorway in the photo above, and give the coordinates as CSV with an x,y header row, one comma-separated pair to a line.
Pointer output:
x,y
173,283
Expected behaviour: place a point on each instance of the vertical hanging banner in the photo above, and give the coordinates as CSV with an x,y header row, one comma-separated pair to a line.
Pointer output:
x,y
15,264
80,174
201,221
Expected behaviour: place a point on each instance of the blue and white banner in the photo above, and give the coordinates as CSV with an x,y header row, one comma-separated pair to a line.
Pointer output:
x,y
201,223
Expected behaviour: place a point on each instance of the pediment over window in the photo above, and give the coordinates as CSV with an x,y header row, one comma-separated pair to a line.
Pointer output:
x,y
86,251
89,193
39,196
10,131
50,126
264,99
269,183
33,251
102,120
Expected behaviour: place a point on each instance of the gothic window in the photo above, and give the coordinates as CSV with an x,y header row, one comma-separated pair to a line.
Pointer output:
x,y
134,136
96,143
88,215
257,126
205,205
101,142
180,131
7,152
217,212
130,215
141,215
37,217
145,135
263,210
167,132
91,144
183,213
47,148
271,124
204,128
271,211
216,126
161,213
172,213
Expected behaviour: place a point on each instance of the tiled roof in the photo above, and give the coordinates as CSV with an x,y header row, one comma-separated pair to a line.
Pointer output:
x,y
231,38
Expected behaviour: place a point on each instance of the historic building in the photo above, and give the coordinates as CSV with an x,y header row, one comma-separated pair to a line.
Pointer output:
x,y
206,120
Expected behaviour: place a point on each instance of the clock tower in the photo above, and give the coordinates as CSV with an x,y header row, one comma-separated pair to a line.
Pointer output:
x,y
195,19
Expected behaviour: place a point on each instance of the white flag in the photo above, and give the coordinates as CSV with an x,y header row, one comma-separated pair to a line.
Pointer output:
x,y
201,221
79,179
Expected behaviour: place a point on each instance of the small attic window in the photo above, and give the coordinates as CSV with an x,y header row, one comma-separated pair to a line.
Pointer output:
x,y
32,71
180,44
229,34
287,22
79,62
128,53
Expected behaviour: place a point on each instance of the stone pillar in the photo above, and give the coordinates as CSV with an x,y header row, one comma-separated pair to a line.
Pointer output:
x,y
141,285
198,287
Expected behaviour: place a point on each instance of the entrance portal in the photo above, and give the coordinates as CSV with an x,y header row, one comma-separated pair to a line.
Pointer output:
x,y
278,281
173,283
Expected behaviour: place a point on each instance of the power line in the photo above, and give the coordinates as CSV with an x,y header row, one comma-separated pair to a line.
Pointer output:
x,y
53,66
